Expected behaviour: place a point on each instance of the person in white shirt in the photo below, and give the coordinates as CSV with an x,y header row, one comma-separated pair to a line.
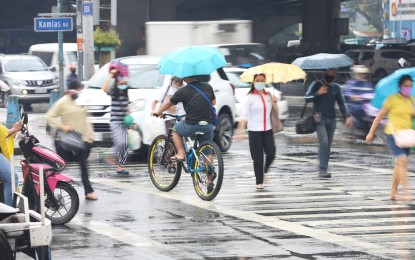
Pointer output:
x,y
165,94
256,117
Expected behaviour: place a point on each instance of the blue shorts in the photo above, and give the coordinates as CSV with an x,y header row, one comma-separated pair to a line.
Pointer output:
x,y
187,130
396,150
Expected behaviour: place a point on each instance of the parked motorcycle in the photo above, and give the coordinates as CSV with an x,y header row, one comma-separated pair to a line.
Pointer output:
x,y
62,200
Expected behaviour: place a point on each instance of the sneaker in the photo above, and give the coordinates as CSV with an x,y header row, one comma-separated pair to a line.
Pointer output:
x,y
123,171
324,174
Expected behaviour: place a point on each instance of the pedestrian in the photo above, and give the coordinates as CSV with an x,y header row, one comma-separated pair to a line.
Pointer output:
x,y
65,115
354,92
400,111
165,94
324,94
119,109
72,75
199,116
6,150
256,117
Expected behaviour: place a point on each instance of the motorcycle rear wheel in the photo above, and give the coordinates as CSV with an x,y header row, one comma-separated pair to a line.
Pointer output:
x,y
68,201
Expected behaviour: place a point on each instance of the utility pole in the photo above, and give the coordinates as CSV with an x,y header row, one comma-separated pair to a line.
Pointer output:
x,y
88,31
60,55
79,40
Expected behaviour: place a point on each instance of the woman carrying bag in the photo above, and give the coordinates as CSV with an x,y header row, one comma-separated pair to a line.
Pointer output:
x,y
67,116
119,109
400,111
256,117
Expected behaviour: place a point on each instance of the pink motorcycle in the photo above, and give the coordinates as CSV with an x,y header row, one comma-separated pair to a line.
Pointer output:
x,y
62,200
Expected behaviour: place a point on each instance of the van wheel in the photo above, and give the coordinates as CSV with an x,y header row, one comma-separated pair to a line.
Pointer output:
x,y
224,132
380,74
5,249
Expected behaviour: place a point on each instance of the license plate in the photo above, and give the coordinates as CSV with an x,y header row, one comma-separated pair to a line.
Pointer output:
x,y
41,91
98,136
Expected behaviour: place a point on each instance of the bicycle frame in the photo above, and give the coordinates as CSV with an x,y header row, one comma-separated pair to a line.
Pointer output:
x,y
190,153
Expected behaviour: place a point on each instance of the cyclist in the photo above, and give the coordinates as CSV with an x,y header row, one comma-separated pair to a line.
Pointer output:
x,y
199,117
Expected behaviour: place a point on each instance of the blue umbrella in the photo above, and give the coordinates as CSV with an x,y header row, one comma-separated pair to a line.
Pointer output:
x,y
193,60
388,86
323,61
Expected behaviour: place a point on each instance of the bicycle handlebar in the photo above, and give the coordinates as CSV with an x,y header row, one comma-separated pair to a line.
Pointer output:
x,y
173,116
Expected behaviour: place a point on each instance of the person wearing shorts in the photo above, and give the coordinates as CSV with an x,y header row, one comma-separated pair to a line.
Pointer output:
x,y
400,110
199,116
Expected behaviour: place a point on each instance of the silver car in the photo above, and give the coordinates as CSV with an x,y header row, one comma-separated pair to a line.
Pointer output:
x,y
27,77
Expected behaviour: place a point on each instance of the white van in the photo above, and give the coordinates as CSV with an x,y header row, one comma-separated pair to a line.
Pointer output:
x,y
48,52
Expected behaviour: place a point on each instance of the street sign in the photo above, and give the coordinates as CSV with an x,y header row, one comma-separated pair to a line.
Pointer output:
x,y
53,24
86,8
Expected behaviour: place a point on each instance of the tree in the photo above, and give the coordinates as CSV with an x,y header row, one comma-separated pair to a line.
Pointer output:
x,y
371,9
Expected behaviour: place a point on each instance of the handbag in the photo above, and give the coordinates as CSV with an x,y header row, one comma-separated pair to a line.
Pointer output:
x,y
403,138
306,126
276,122
72,141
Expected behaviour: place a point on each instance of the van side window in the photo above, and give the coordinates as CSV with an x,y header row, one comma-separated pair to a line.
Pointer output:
x,y
45,56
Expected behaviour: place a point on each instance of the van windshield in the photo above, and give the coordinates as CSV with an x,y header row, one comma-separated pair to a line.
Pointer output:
x,y
72,56
142,76
22,65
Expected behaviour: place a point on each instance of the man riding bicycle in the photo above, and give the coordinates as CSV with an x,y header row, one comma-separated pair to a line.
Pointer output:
x,y
199,117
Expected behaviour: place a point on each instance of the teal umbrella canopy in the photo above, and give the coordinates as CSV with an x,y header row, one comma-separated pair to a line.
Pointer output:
x,y
191,61
388,86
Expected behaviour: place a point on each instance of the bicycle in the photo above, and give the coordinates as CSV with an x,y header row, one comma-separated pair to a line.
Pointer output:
x,y
204,162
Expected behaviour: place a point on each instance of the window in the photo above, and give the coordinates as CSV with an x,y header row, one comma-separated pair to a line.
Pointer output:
x,y
367,55
143,76
45,56
72,57
22,65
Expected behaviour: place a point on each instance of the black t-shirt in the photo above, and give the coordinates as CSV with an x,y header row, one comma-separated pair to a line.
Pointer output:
x,y
196,106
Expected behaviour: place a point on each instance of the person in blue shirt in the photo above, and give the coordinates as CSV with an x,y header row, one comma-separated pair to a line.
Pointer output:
x,y
73,75
358,92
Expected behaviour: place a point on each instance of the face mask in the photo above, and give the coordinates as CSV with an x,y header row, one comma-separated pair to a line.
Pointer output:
x,y
406,91
259,86
328,78
75,96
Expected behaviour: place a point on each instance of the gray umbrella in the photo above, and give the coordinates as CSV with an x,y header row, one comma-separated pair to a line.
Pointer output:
x,y
323,61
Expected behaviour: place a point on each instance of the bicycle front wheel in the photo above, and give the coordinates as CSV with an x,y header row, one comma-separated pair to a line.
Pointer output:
x,y
208,167
164,173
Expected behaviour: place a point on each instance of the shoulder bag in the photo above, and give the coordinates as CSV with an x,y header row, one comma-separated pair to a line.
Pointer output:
x,y
275,121
404,138
212,108
308,125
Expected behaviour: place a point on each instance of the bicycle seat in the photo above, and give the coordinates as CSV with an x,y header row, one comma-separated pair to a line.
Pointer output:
x,y
198,134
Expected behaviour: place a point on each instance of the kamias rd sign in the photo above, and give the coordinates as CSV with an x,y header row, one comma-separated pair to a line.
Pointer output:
x,y
53,24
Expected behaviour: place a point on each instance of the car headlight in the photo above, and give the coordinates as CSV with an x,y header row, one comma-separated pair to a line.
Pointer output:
x,y
19,83
56,81
137,105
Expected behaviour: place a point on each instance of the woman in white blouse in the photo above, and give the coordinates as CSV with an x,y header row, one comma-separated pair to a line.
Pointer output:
x,y
256,117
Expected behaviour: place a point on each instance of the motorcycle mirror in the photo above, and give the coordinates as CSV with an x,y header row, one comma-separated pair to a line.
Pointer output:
x,y
25,118
21,112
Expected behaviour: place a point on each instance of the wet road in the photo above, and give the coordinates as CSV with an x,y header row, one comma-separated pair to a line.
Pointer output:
x,y
296,216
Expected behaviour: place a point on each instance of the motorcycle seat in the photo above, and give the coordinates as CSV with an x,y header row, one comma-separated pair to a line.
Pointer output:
x,y
6,211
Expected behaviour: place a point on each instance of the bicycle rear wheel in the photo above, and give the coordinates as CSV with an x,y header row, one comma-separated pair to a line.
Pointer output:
x,y
164,173
208,175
